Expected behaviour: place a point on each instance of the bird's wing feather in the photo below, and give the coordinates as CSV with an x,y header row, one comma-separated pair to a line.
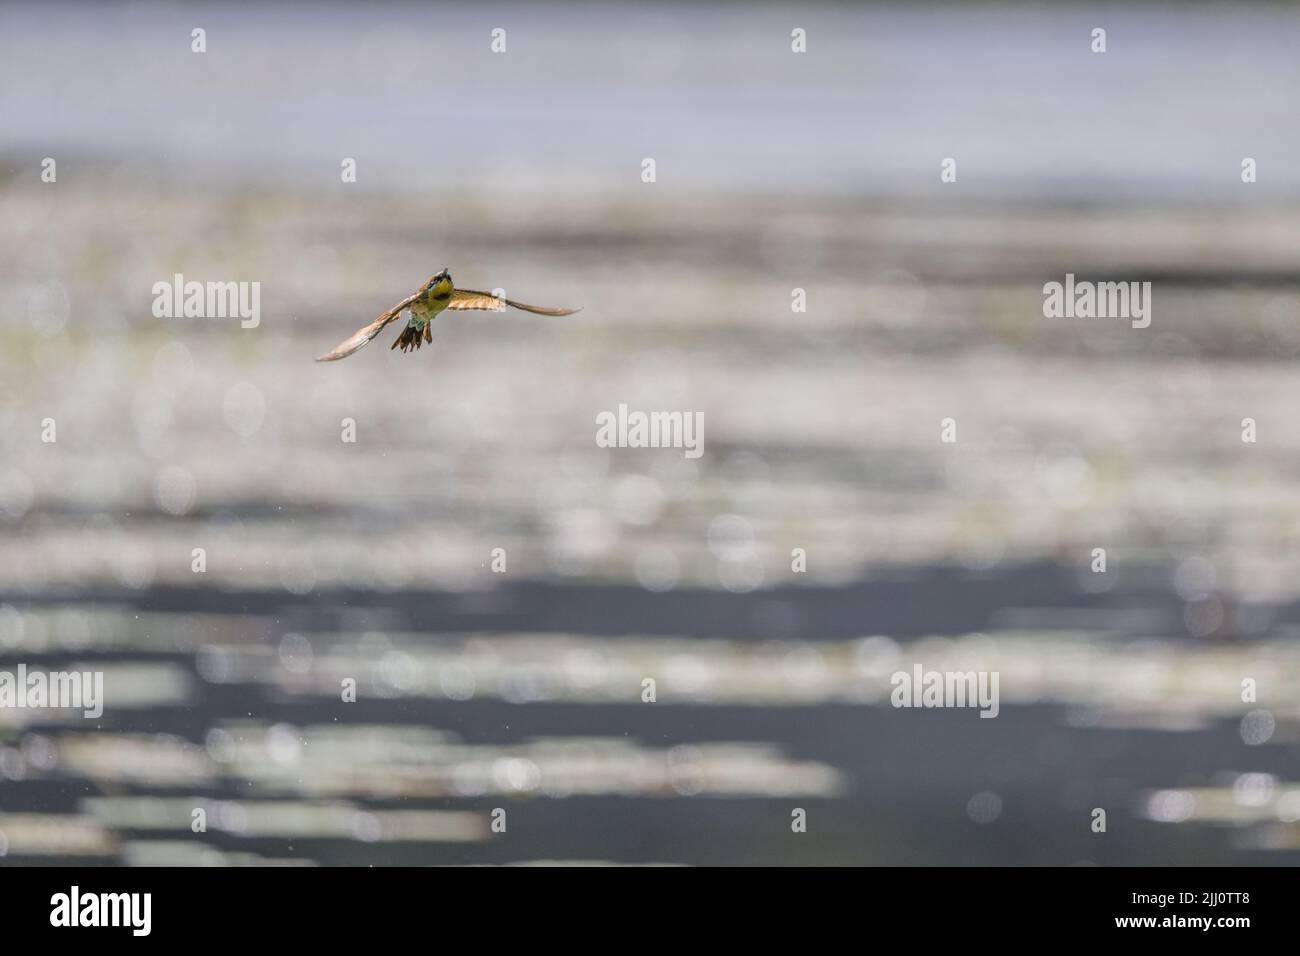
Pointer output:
x,y
366,333
463,299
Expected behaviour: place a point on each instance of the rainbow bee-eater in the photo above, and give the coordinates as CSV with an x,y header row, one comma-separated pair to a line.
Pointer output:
x,y
424,304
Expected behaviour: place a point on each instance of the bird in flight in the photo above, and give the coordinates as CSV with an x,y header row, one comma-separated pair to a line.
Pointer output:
x,y
424,304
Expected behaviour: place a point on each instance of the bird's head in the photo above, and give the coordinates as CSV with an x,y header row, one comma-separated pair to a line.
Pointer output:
x,y
439,283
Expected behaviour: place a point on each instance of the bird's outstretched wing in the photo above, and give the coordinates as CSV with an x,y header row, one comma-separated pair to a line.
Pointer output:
x,y
464,299
366,333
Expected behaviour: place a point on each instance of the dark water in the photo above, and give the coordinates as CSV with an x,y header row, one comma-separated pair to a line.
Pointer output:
x,y
879,785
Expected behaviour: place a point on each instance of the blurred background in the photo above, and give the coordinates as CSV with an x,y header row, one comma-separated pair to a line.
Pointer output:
x,y
521,691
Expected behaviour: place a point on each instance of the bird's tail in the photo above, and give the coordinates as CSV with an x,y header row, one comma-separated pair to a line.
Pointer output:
x,y
412,338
